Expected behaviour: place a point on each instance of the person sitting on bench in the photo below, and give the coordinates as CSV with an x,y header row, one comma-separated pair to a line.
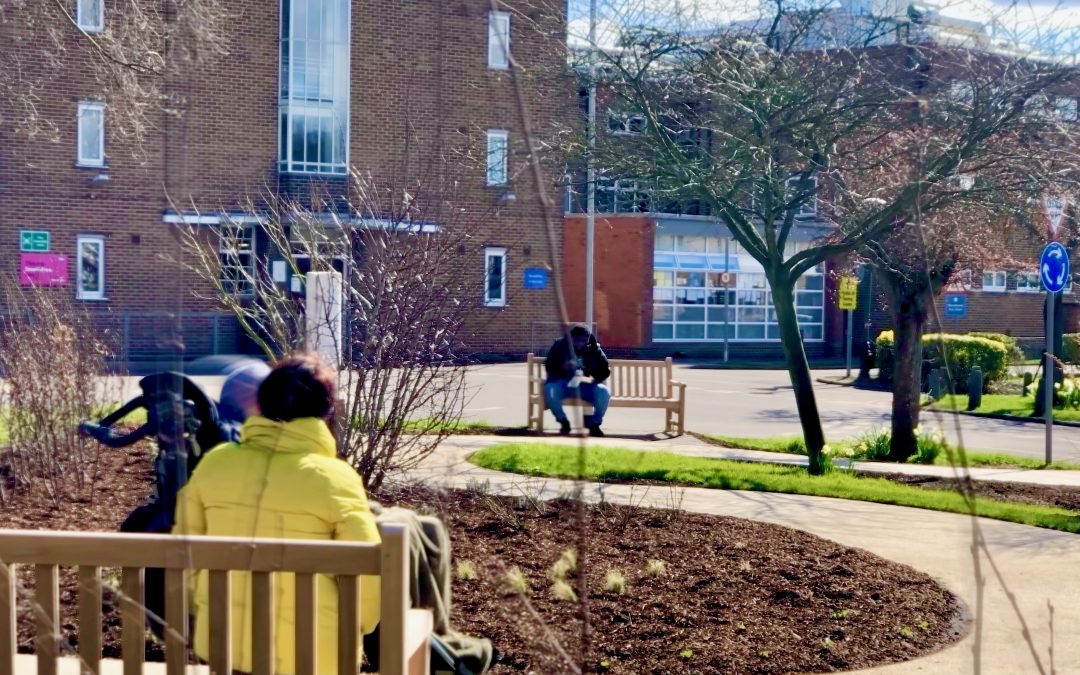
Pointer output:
x,y
568,362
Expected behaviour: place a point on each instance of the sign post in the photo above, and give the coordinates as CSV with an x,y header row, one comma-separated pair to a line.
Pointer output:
x,y
1055,273
848,300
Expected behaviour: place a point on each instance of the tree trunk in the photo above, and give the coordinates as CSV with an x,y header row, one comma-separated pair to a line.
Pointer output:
x,y
909,320
799,370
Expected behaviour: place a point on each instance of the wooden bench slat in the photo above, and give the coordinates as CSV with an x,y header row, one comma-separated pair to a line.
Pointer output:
x,y
220,623
348,624
132,620
47,617
262,623
176,621
90,597
306,624
9,586
106,549
394,599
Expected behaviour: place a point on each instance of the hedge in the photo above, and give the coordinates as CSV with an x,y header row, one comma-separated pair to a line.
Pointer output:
x,y
1012,345
1070,348
964,352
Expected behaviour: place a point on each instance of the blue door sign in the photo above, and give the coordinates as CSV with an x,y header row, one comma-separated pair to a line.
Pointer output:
x,y
1054,267
536,278
956,305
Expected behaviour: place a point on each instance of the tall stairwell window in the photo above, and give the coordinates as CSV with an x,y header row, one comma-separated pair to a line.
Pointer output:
x,y
314,87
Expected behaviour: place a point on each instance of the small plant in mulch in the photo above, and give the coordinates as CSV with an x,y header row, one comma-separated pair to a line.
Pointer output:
x,y
564,566
562,590
465,570
516,582
615,582
655,568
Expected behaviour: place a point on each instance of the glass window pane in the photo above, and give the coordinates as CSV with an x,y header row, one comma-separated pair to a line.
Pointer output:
x,y
751,314
90,129
690,331
810,282
772,331
662,331
665,242
812,332
809,299
720,331
686,244
805,316
692,279
721,314
690,313
663,278
689,297
751,332
663,312
89,266
751,297
663,260
717,298
663,295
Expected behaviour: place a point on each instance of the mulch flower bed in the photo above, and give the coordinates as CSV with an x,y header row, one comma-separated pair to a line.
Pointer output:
x,y
728,595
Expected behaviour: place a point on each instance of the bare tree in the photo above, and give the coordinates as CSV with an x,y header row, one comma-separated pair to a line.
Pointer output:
x,y
407,296
761,119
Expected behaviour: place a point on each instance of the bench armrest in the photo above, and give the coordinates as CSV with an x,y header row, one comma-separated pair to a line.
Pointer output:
x,y
681,386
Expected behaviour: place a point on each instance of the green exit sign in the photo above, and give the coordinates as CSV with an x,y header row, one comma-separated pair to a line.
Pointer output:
x,y
34,241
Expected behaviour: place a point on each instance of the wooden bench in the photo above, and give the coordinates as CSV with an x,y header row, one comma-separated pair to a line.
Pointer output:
x,y
403,632
633,384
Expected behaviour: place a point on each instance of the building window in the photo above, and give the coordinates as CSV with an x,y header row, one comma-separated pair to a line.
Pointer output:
x,y
314,97
90,268
498,151
994,282
494,277
91,134
236,259
1066,108
498,40
809,207
706,289
624,124
1028,282
90,15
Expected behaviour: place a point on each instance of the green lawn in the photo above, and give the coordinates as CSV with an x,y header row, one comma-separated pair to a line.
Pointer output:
x,y
1004,404
616,464
794,445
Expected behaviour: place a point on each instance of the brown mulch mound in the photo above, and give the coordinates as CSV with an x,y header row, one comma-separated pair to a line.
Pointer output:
x,y
1021,493
734,596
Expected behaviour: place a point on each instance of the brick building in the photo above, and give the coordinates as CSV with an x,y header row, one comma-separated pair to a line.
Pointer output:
x,y
309,90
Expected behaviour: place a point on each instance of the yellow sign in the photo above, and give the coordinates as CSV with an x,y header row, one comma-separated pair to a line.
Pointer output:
x,y
848,297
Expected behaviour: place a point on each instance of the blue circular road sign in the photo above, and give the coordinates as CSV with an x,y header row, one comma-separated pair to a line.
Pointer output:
x,y
1054,267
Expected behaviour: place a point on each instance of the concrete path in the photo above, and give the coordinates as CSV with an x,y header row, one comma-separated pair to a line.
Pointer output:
x,y
1031,584
688,445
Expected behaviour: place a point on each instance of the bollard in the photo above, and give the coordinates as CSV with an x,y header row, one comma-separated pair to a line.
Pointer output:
x,y
937,384
866,361
975,388
1028,379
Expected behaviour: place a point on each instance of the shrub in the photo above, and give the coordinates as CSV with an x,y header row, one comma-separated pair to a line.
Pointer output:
x,y
1070,348
1012,345
928,446
873,445
962,352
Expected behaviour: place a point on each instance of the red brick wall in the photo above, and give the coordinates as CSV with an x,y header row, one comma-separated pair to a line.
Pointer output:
x,y
422,97
623,277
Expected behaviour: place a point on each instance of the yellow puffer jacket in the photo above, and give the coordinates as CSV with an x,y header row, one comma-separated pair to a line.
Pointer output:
x,y
282,480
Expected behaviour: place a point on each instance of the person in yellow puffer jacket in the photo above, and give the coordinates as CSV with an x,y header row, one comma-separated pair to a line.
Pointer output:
x,y
282,480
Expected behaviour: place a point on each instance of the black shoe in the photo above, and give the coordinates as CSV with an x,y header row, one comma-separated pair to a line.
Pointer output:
x,y
564,428
595,431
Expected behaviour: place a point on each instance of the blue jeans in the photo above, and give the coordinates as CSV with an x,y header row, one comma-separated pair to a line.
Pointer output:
x,y
597,395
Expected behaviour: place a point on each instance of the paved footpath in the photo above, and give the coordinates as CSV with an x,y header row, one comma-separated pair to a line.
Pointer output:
x,y
1032,575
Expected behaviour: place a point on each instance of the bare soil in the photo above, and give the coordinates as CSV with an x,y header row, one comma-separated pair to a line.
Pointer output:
x,y
734,596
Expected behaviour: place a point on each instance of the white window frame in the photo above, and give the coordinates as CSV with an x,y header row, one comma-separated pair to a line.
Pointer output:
x,y
227,233
1022,276
496,175
808,209
1067,108
80,293
90,24
995,287
498,40
87,107
626,124
491,252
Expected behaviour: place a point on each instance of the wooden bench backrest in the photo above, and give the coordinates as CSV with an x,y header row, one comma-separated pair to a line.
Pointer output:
x,y
629,378
47,551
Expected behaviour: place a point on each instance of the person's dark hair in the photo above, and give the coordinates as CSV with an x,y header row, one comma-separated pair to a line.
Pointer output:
x,y
579,331
301,385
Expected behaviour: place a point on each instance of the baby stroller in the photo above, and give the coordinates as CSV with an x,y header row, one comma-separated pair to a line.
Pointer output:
x,y
186,425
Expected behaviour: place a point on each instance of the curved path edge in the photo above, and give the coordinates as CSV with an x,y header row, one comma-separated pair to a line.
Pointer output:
x,y
1038,569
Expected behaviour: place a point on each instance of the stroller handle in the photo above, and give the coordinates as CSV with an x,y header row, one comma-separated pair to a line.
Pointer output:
x,y
106,436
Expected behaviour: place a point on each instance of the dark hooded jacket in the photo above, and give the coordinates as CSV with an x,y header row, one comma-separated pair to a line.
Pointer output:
x,y
593,361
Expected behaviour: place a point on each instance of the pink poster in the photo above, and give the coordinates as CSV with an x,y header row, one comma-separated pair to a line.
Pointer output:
x,y
43,269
